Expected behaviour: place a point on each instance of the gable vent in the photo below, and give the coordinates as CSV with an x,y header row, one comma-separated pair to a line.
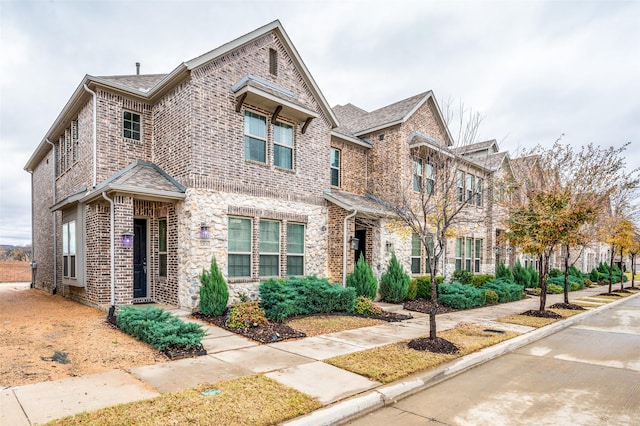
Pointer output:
x,y
273,62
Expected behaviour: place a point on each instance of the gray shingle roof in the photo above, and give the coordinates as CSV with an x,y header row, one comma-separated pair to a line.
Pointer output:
x,y
141,83
477,147
365,205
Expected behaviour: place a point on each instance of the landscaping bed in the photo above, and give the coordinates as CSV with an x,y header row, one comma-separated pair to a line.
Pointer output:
x,y
272,332
424,306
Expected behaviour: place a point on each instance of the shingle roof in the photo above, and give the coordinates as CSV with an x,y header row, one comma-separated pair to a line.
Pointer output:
x,y
143,177
476,147
141,83
491,161
364,204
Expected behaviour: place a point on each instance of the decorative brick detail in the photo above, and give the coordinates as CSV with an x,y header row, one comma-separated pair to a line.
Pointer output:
x,y
267,214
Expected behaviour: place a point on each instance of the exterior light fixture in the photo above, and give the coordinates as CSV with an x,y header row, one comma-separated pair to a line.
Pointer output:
x,y
497,250
355,243
127,238
204,231
389,246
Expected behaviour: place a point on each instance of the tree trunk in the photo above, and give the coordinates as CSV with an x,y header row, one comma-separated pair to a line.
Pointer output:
x,y
613,251
621,272
543,282
633,270
434,305
566,276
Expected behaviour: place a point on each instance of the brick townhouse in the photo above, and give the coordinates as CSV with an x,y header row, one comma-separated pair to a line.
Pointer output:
x,y
236,154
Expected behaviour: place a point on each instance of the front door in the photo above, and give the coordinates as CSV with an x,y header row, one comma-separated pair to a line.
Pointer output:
x,y
140,258
361,235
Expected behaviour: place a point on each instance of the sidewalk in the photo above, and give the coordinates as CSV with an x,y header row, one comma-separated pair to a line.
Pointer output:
x,y
297,364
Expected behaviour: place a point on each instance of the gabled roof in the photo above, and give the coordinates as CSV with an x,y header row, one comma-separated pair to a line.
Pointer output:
x,y
366,206
479,148
154,86
361,122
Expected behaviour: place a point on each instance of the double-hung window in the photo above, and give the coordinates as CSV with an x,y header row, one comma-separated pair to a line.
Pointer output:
x,y
269,248
131,125
478,257
239,247
459,243
460,185
283,145
255,137
295,249
430,183
416,257
417,174
162,247
479,192
69,249
470,188
468,255
335,167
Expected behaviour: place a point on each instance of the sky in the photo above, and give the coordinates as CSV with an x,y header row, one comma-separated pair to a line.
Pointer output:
x,y
534,70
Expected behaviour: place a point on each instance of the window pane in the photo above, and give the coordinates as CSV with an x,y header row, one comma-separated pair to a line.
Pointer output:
x,y
269,236
295,238
283,134
162,265
458,247
335,177
269,265
65,239
239,235
335,158
415,245
415,265
478,249
239,265
282,157
72,266
65,266
72,237
295,265
255,125
255,149
162,235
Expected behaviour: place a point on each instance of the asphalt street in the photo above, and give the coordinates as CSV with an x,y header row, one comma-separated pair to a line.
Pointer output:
x,y
587,374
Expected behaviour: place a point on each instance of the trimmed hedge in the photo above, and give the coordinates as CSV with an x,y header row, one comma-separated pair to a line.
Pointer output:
x,y
507,291
281,299
460,296
159,328
423,286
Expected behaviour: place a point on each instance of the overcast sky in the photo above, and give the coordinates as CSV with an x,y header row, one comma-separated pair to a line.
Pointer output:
x,y
534,70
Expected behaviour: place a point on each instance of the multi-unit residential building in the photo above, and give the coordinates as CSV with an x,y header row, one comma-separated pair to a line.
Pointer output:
x,y
236,155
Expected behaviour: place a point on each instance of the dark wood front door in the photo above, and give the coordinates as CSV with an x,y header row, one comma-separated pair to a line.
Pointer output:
x,y
140,258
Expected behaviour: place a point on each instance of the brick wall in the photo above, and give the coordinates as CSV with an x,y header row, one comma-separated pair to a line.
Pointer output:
x,y
353,170
15,272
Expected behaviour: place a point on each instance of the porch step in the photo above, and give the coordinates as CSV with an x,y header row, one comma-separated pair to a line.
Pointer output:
x,y
390,307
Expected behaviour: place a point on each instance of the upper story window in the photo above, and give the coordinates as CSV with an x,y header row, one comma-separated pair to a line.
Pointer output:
x,y
460,185
335,167
283,145
430,183
131,125
470,187
255,137
479,183
417,174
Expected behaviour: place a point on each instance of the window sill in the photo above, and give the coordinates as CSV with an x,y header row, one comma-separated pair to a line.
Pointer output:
x,y
240,280
284,169
256,163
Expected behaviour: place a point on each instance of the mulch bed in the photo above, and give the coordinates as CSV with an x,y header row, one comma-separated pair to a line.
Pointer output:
x,y
570,306
437,345
272,332
542,314
610,294
424,306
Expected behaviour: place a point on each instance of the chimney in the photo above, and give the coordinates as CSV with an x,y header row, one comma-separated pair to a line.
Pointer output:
x,y
137,68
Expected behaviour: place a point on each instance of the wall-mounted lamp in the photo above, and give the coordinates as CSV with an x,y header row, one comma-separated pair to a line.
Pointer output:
x,y
509,250
355,243
204,231
389,246
497,250
127,238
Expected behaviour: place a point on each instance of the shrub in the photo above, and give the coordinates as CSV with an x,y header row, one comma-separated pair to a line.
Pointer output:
x,y
462,276
394,283
214,294
412,292
479,280
159,328
504,272
364,306
491,297
588,283
246,315
594,276
575,283
460,296
302,296
554,289
507,291
555,272
423,285
603,268
575,272
362,280
521,275
535,278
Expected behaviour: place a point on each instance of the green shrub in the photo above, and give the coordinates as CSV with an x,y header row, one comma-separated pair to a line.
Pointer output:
x,y
412,292
423,285
554,289
159,328
504,272
214,294
479,280
574,282
588,283
462,276
603,268
594,276
536,291
555,272
301,296
575,272
491,297
363,280
364,306
394,283
460,296
534,281
615,270
507,291
246,315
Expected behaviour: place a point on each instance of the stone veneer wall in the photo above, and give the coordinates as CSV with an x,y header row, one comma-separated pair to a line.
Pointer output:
x,y
213,208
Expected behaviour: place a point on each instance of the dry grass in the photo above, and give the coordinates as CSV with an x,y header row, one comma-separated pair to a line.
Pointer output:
x,y
249,400
527,320
391,362
323,324
566,312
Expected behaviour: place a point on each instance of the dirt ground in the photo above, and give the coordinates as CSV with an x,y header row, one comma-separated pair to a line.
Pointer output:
x,y
39,332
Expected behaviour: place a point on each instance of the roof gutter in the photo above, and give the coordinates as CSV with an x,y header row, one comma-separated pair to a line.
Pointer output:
x,y
55,225
95,129
344,247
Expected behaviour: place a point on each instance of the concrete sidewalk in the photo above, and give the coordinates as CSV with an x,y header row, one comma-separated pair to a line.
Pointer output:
x,y
297,364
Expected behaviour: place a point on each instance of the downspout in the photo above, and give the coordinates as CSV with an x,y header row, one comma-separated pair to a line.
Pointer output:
x,y
33,250
112,308
95,132
344,249
55,225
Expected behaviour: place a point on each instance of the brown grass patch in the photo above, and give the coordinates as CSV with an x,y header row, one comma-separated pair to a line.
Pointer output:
x,y
248,400
565,312
315,325
527,320
391,362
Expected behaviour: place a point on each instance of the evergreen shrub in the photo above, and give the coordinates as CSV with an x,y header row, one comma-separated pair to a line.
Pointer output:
x,y
363,280
394,283
462,276
503,271
491,297
480,279
364,306
507,291
412,292
214,293
423,285
460,296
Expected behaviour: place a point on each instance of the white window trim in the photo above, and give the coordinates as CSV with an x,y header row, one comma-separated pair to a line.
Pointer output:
x,y
269,253
338,168
304,249
241,253
289,147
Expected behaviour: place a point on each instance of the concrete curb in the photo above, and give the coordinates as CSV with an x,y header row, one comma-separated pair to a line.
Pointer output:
x,y
355,407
